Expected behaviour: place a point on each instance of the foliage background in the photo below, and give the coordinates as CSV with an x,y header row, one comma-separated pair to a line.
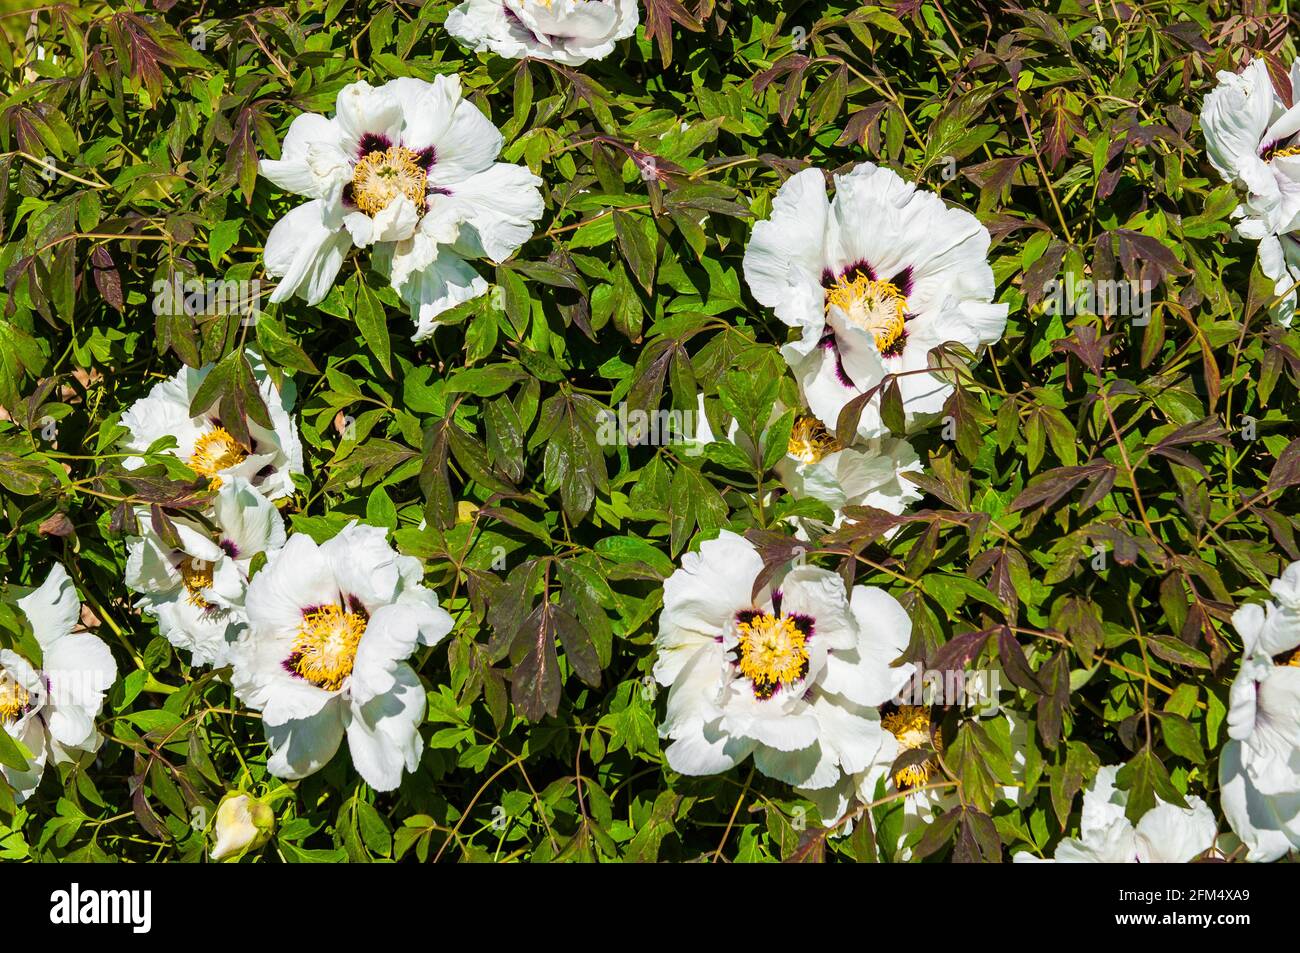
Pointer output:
x,y
1073,135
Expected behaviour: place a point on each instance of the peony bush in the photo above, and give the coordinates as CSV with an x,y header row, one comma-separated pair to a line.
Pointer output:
x,y
594,430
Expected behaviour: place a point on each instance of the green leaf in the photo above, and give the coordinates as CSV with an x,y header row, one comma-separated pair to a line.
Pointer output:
x,y
373,322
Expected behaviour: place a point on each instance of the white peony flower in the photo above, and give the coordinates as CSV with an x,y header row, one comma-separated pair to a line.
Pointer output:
x,y
204,443
1166,834
566,31
873,280
52,709
330,628
196,590
1259,767
791,676
867,473
409,169
1253,141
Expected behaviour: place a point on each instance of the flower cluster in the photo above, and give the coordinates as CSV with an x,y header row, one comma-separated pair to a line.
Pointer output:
x,y
317,639
866,299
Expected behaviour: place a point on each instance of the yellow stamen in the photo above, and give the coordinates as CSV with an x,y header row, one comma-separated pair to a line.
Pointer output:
x,y
910,726
13,698
215,451
197,576
381,177
1293,660
810,441
877,307
772,652
326,647
1286,153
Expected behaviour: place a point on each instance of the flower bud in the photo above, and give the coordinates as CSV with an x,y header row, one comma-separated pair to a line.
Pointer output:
x,y
243,824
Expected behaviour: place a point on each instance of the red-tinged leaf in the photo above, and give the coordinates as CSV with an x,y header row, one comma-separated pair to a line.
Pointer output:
x,y
792,62
977,839
1058,125
861,126
1177,651
1281,77
1146,258
108,281
957,653
1054,677
811,848
1098,488
1015,664
579,650
778,552
1087,345
535,680
1049,488
132,35
241,157
435,478
1286,471
1080,620
1039,276
937,834
637,241
659,18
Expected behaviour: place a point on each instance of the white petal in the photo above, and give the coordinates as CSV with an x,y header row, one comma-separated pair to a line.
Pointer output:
x,y
865,674
1235,117
1268,826
811,768
1103,803
305,253
362,110
298,577
702,597
850,733
468,146
494,209
1167,834
391,636
784,259
53,607
303,746
819,595
384,735
444,282
427,108
294,171
705,750
79,669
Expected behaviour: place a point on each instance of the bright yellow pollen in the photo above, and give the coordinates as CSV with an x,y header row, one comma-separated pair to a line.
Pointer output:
x,y
215,451
197,576
326,647
910,726
772,651
13,699
1294,660
877,307
1285,153
810,441
381,177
